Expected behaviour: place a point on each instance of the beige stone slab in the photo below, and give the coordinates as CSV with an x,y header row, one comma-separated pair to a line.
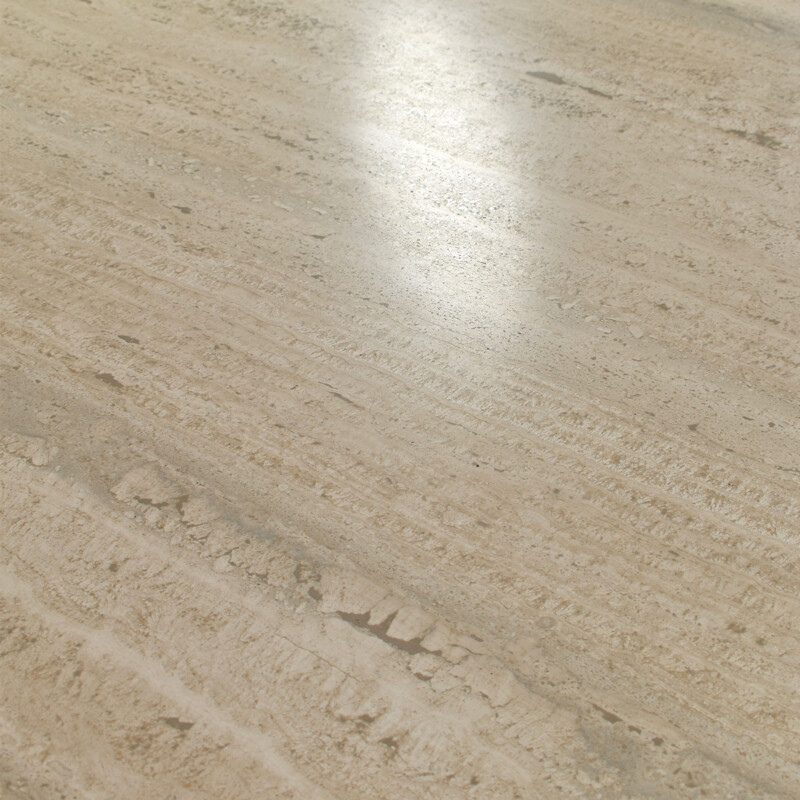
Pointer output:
x,y
400,400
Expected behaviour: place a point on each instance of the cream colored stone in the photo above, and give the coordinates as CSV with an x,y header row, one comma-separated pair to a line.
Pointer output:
x,y
399,400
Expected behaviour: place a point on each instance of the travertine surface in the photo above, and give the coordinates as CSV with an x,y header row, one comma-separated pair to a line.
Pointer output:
x,y
400,400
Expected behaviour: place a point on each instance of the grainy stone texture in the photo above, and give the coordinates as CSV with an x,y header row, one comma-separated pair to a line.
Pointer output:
x,y
400,400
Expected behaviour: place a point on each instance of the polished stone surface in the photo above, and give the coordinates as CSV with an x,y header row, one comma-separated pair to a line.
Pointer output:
x,y
400,400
